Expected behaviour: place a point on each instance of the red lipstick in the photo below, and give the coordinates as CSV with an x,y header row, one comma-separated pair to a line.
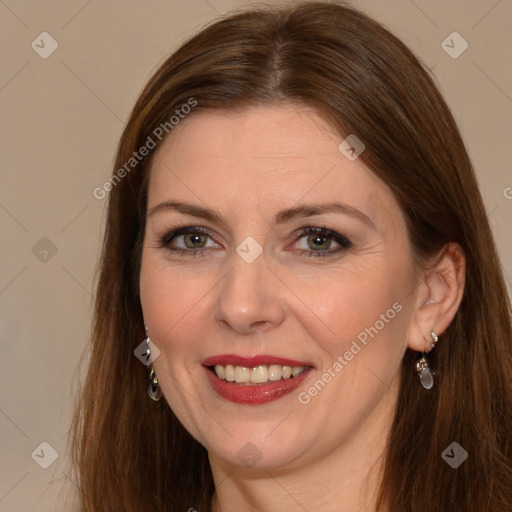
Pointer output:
x,y
251,362
254,394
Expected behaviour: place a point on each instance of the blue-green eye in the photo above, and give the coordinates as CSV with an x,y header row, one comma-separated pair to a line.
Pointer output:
x,y
194,241
320,240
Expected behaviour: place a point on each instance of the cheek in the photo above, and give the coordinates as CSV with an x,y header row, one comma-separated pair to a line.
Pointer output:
x,y
362,313
362,348
174,310
173,302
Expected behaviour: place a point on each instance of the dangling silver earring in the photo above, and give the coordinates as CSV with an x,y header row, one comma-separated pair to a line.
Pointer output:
x,y
422,368
154,390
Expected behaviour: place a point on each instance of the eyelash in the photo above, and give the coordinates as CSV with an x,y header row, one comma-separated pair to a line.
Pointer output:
x,y
323,232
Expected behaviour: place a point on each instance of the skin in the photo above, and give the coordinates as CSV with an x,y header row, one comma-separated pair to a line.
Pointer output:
x,y
248,165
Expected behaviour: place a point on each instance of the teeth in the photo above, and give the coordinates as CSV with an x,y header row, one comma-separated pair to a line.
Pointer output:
x,y
258,374
275,372
297,370
220,372
229,372
242,374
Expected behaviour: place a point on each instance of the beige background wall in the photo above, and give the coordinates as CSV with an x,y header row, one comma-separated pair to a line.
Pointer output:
x,y
61,118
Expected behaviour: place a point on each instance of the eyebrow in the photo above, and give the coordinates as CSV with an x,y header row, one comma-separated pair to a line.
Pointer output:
x,y
280,217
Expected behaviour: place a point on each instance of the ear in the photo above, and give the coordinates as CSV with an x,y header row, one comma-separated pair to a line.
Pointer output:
x,y
438,296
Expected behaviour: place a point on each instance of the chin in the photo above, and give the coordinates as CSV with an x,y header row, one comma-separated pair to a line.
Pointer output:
x,y
255,450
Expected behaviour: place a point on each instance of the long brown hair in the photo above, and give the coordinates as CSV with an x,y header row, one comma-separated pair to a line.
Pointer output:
x,y
132,454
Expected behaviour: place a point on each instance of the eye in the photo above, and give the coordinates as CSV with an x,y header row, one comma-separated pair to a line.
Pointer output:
x,y
318,242
189,240
193,241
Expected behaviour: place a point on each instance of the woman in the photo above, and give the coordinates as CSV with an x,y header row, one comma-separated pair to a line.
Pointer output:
x,y
295,231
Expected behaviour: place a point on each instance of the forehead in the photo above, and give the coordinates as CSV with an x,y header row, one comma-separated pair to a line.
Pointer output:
x,y
283,132
267,157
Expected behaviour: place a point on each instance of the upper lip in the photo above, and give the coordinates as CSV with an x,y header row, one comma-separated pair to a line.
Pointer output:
x,y
251,362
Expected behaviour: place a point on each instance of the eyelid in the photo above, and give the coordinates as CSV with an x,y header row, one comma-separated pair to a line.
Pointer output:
x,y
299,233
176,231
343,242
323,230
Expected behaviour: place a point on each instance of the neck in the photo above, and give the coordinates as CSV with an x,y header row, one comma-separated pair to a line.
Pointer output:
x,y
347,480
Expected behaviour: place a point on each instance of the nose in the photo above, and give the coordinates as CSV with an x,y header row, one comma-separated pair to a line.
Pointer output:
x,y
250,297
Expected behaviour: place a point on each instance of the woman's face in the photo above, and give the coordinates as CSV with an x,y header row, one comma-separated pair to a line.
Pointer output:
x,y
254,286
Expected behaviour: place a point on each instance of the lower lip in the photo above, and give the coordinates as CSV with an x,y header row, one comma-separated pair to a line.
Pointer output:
x,y
257,394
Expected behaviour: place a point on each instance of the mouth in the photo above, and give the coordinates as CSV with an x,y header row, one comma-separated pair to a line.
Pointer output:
x,y
255,380
257,375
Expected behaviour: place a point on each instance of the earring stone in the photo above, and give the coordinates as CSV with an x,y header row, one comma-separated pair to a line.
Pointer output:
x,y
154,390
424,372
434,337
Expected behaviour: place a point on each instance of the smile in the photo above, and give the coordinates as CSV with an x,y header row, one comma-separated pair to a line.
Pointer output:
x,y
256,375
255,380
